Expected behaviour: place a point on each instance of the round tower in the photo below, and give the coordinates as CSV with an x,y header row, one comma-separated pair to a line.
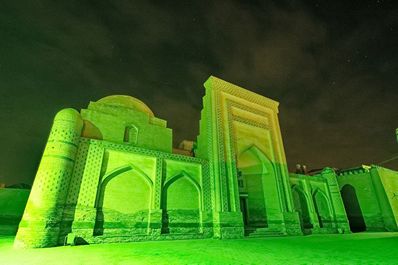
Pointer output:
x,y
41,220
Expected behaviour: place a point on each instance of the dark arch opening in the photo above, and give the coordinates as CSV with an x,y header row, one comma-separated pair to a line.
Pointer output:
x,y
353,209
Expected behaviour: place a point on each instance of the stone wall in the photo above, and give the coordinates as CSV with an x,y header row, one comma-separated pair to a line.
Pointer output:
x,y
129,193
368,194
12,205
318,201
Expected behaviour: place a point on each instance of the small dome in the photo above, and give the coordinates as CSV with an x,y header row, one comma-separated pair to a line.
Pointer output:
x,y
127,102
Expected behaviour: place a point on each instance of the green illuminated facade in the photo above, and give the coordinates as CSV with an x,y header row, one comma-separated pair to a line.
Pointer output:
x,y
317,200
370,195
109,174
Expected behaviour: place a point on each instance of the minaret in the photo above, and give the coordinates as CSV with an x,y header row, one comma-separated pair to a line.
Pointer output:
x,y
41,220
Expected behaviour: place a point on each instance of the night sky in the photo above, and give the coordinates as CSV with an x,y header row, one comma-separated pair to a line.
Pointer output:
x,y
332,65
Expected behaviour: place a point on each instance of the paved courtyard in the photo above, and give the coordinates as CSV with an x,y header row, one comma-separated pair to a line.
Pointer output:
x,y
360,248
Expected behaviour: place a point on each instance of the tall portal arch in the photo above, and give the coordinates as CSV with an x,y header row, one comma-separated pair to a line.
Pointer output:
x,y
258,188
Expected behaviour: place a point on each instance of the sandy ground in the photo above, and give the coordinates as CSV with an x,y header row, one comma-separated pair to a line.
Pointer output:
x,y
361,248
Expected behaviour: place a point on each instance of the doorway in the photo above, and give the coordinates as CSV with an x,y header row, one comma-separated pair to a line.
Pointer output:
x,y
353,209
243,209
252,183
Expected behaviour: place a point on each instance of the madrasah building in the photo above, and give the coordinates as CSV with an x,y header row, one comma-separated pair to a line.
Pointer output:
x,y
109,174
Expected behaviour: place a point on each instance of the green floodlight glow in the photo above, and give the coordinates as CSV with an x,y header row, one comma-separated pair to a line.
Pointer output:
x,y
356,248
109,174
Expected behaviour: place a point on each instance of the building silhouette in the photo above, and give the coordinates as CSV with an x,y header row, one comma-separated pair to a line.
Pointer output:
x,y
109,174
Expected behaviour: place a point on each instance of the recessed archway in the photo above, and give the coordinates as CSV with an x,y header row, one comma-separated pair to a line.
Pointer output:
x,y
124,196
181,204
301,205
255,171
353,209
322,209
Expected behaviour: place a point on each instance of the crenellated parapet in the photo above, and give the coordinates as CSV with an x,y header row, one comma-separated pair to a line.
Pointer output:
x,y
354,171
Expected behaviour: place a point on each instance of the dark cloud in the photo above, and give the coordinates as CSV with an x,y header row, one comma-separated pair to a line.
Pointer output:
x,y
332,66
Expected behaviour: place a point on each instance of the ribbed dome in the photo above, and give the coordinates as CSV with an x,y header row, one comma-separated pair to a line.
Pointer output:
x,y
128,102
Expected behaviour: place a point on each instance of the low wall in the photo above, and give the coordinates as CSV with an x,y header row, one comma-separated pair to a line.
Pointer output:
x,y
12,206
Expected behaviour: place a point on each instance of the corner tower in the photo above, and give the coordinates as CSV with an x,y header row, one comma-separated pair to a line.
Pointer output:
x,y
241,138
40,224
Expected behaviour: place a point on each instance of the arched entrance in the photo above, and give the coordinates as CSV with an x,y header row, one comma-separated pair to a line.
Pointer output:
x,y
353,209
255,181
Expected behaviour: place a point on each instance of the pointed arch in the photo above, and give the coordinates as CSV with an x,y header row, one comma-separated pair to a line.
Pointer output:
x,y
181,197
301,191
322,207
131,133
122,193
182,174
256,173
116,172
253,150
302,205
323,195
107,177
178,177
